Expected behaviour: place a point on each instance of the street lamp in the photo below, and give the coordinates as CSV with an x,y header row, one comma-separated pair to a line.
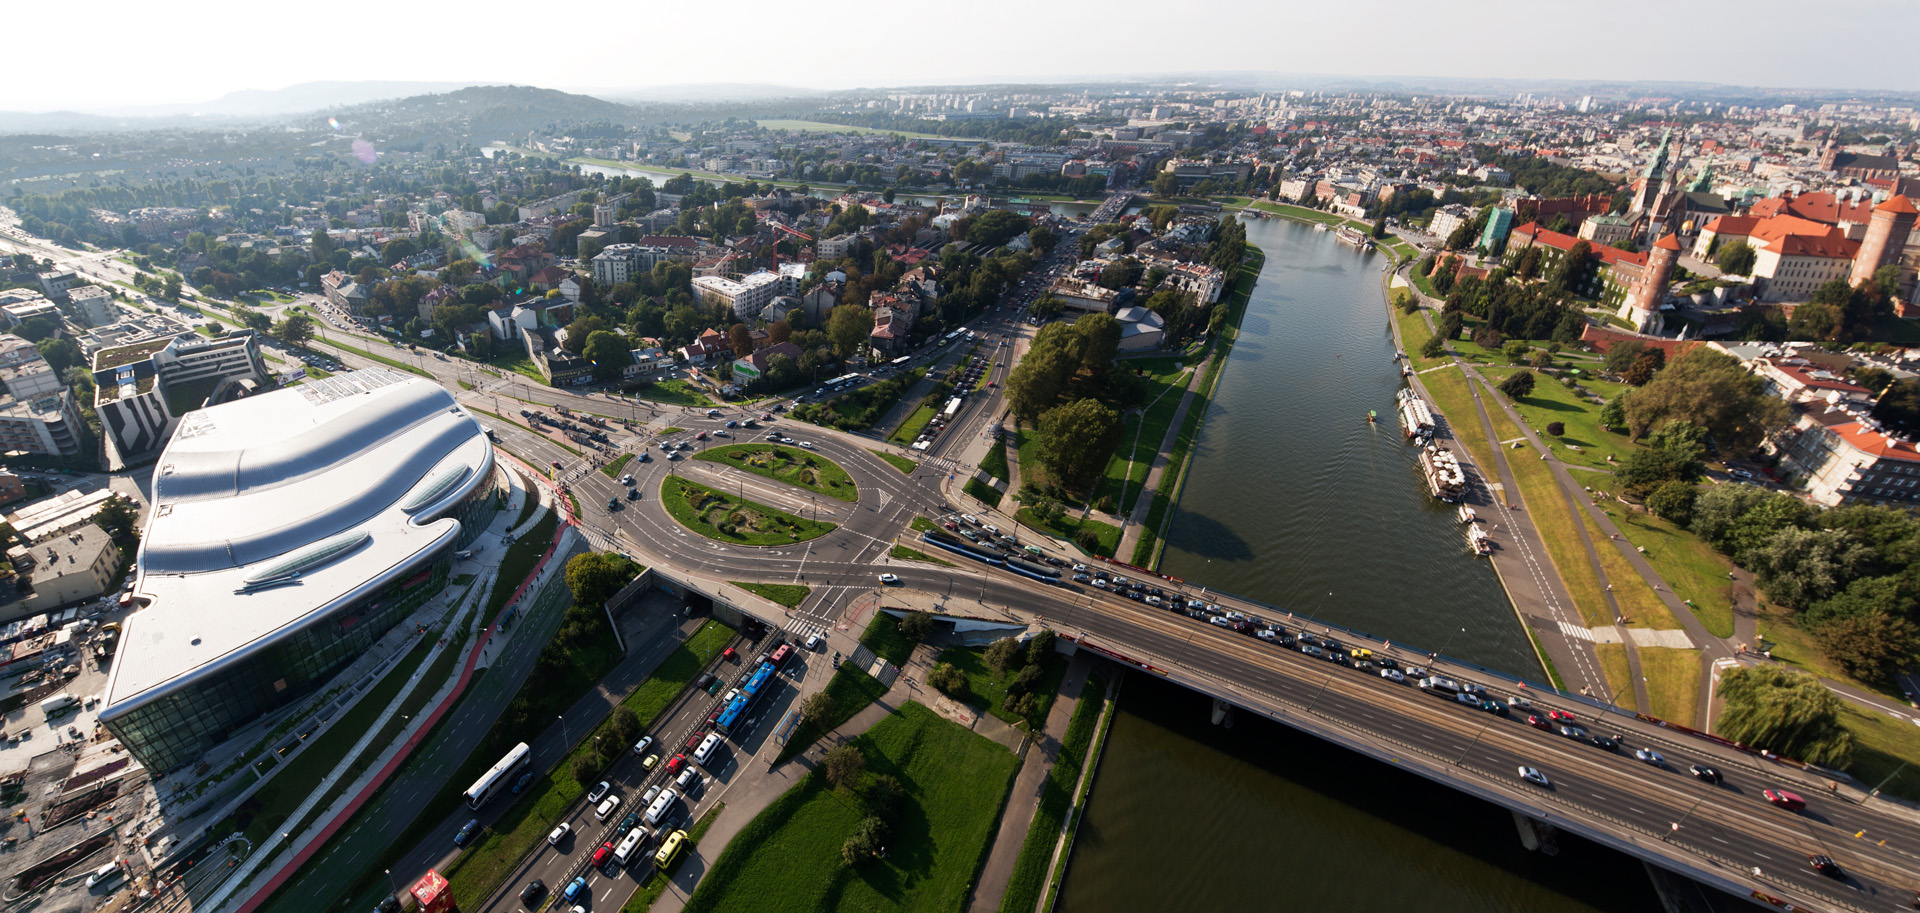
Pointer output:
x,y
1448,642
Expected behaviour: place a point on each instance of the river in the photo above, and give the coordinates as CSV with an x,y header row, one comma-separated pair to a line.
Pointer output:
x,y
1295,500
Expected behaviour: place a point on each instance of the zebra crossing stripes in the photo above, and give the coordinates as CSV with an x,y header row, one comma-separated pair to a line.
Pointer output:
x,y
1575,631
803,629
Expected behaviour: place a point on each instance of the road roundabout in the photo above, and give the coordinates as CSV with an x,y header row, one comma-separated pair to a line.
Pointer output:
x,y
735,519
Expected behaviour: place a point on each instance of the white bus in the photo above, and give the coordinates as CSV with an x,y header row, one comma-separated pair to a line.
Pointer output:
x,y
661,803
624,852
498,777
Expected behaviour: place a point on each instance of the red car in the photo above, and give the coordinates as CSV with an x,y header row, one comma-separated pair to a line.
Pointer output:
x,y
1784,799
675,763
1561,716
701,436
727,654
1540,723
556,465
604,853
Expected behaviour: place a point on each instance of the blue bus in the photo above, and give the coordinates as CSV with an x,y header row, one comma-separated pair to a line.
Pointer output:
x,y
731,715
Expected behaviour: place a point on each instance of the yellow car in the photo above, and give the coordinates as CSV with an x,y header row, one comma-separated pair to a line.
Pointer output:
x,y
651,760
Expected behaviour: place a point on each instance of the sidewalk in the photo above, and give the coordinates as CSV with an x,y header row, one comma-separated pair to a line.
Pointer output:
x,y
1017,817
1143,505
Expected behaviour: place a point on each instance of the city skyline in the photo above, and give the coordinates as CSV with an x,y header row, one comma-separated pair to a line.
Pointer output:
x,y
1631,41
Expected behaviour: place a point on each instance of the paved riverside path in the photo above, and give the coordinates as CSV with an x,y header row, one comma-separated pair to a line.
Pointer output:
x,y
1017,817
1143,504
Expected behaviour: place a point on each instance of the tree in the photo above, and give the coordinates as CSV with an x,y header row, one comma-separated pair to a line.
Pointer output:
x,y
885,794
254,320
1556,429
608,353
117,516
61,353
916,626
1871,646
1040,647
1434,347
580,329
1673,501
817,710
171,291
1647,469
1785,712
1516,351
848,327
1712,390
1165,184
866,843
1517,384
1076,439
1644,367
593,577
1739,518
948,680
626,726
295,330
1735,259
584,768
844,764
1799,567
1101,334
741,339
1620,355
1002,654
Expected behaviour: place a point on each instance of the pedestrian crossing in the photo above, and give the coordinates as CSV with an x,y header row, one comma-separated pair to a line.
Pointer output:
x,y
942,464
802,628
1575,631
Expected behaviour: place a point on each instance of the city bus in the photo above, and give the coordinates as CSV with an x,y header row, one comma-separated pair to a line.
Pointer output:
x,y
499,776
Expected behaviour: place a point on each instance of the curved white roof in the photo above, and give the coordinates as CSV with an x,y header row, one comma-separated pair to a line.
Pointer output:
x,y
270,510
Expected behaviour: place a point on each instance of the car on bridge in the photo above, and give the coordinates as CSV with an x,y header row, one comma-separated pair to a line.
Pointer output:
x,y
1540,722
1826,866
1534,776
1650,756
1784,799
1704,772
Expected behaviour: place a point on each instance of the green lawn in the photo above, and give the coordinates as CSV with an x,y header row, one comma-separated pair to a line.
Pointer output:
x,y
1673,683
898,462
995,462
1143,436
1613,665
729,518
791,465
1026,445
851,690
1696,572
674,393
983,492
1069,527
910,428
522,555
1056,797
988,691
1883,747
1303,214
786,594
883,637
921,525
612,469
907,554
1551,401
788,858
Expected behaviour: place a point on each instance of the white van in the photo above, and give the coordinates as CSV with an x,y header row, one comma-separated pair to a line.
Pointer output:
x,y
705,752
661,803
606,808
629,845
103,873
687,779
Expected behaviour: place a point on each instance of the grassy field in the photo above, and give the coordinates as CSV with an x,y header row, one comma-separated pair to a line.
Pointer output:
x,y
1126,472
1056,797
883,637
674,393
1638,602
1673,683
478,872
988,691
1303,214
814,126
995,462
910,428
1551,401
726,518
1883,746
786,594
983,492
516,361
791,465
907,554
1026,447
788,858
1696,572
612,469
1069,527
1613,664
898,462
522,555
851,690
363,353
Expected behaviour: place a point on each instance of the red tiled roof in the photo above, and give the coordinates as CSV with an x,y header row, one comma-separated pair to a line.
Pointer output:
x,y
1869,441
1605,253
1897,204
1832,247
1771,231
1670,242
1819,207
1733,225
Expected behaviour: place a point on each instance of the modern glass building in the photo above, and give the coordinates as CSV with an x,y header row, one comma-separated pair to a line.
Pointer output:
x,y
289,531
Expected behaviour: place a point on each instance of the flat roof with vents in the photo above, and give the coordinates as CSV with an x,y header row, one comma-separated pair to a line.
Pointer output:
x,y
270,511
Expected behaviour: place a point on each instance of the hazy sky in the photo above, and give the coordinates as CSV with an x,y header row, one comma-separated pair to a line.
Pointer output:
x,y
116,53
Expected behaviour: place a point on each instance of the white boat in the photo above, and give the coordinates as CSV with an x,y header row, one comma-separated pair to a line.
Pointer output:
x,y
1445,478
1467,515
1477,539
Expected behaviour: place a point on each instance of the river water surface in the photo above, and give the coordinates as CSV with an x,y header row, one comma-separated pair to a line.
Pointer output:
x,y
1295,500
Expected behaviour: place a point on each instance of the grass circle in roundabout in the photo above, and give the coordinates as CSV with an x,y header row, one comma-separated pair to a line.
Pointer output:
x,y
792,465
726,517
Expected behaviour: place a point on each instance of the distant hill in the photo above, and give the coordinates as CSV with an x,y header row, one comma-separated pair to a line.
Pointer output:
x,y
705,92
314,96
483,113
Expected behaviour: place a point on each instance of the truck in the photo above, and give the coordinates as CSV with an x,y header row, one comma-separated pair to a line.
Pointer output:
x,y
56,704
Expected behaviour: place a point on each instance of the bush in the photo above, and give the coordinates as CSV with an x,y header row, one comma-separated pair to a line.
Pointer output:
x,y
1556,428
948,680
1516,351
1001,655
1518,384
585,768
1087,539
916,626
1673,501
1434,347
1040,647
843,765
818,708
